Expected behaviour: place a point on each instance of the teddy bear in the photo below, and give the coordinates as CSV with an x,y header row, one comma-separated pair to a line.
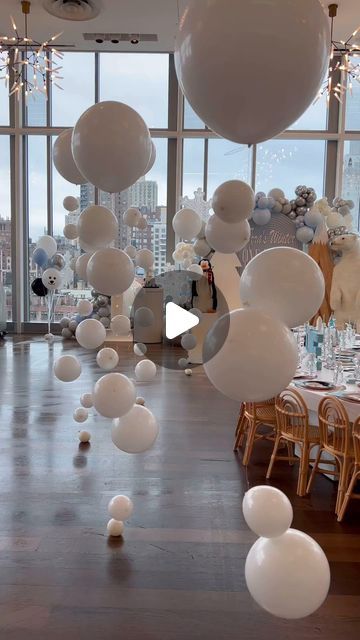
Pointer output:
x,y
345,287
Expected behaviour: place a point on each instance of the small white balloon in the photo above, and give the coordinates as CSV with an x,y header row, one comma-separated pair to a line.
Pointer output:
x,y
188,372
97,226
187,223
120,507
49,337
84,436
64,160
107,358
144,258
70,231
86,400
115,528
120,325
140,349
201,247
267,511
110,271
131,251
48,244
80,414
70,203
145,370
131,217
52,279
143,317
136,431
67,368
90,333
142,224
81,265
233,201
84,307
188,341
113,395
227,238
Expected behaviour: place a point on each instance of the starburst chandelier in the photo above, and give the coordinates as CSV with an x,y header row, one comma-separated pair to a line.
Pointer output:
x,y
25,64
342,53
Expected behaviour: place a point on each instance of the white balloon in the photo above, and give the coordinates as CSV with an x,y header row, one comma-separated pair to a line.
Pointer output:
x,y
84,436
86,400
284,282
49,337
187,223
113,395
140,349
249,356
115,528
288,576
52,279
152,158
84,307
140,400
120,507
135,432
261,216
64,160
132,216
131,251
90,333
188,341
276,193
201,247
110,271
213,38
72,263
145,370
97,226
48,244
111,145
144,258
80,414
67,368
334,219
142,224
233,201
188,372
227,238
70,203
120,325
70,231
304,234
143,317
267,511
195,271
107,358
81,265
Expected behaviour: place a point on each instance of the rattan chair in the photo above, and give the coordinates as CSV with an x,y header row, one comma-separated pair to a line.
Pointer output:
x,y
252,416
336,441
355,473
293,429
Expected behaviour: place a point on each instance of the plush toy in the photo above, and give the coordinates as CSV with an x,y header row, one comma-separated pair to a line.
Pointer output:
x,y
203,294
345,289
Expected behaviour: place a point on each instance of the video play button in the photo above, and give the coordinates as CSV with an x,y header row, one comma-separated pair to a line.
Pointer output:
x,y
178,320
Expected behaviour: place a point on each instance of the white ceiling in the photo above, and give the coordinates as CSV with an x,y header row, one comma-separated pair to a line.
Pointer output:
x,y
134,16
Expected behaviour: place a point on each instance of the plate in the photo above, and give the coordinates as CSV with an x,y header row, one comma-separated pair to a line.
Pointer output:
x,y
350,397
317,385
304,376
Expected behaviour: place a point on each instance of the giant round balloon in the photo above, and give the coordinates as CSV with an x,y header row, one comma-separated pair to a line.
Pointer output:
x,y
63,158
113,395
284,282
288,576
258,357
135,432
233,201
110,271
90,333
81,265
48,243
97,226
231,92
111,145
187,223
227,238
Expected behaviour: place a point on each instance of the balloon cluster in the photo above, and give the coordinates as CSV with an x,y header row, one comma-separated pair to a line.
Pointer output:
x,y
228,229
52,263
98,308
184,253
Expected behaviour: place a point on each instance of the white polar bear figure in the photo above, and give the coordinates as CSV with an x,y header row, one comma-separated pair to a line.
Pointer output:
x,y
345,287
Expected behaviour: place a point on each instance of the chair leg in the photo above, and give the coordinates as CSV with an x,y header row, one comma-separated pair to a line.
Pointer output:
x,y
349,491
343,481
314,470
240,432
240,419
273,456
249,441
303,471
290,449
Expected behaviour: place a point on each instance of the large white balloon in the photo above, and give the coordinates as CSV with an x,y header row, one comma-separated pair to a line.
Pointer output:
x,y
284,282
120,325
97,226
84,307
267,511
288,576
111,145
48,243
67,368
145,370
107,358
90,333
136,431
250,356
81,265
113,395
187,223
144,258
110,271
227,238
232,93
233,201
64,160
152,158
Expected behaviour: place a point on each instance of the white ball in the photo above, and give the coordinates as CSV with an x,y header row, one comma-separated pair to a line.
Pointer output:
x,y
70,231
140,349
49,337
233,201
144,258
288,576
227,238
111,146
48,244
107,358
81,265
115,528
145,370
120,507
211,41
131,217
334,219
131,251
84,307
67,368
135,432
201,247
267,511
52,279
80,414
284,282
63,158
97,226
187,223
110,271
70,203
261,217
120,325
142,224
188,372
86,400
113,395
182,362
188,341
84,436
268,361
140,400
90,333
304,234
195,271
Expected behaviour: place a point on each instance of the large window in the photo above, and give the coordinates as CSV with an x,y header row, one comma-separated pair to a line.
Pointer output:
x,y
78,89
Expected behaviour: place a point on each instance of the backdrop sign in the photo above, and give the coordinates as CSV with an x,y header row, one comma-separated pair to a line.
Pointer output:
x,y
279,232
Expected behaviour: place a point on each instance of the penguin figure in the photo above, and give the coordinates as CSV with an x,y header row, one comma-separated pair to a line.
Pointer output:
x,y
203,293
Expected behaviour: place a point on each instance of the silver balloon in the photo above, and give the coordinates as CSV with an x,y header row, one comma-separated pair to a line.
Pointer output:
x,y
58,261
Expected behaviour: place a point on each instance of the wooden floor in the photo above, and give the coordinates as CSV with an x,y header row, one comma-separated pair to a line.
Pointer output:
x,y
179,572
